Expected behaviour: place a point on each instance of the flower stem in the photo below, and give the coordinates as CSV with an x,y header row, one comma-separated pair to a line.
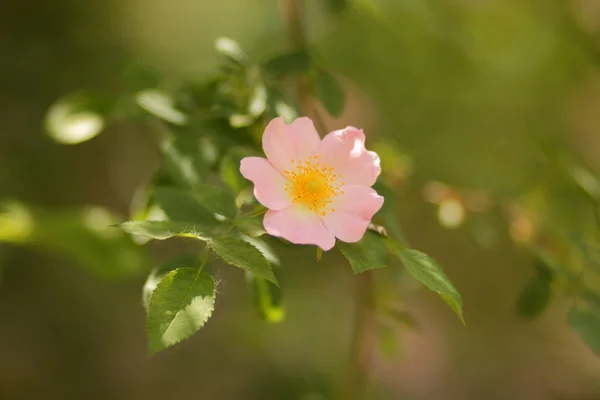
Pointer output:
x,y
360,350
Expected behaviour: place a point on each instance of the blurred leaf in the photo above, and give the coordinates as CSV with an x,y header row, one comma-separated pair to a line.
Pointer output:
x,y
183,161
181,304
400,316
251,225
77,117
256,107
241,254
369,253
586,180
534,297
230,168
288,64
183,206
329,91
388,213
424,269
83,235
160,271
268,300
587,324
161,230
161,105
230,49
387,340
336,6
216,200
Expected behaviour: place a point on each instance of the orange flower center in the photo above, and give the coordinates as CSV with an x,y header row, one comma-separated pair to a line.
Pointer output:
x,y
313,184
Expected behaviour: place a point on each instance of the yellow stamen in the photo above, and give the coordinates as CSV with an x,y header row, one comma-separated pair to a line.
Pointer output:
x,y
313,185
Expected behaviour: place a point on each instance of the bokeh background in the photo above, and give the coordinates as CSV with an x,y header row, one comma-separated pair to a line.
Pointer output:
x,y
455,91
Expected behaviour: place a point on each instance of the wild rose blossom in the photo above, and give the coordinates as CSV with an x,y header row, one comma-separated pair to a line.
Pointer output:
x,y
316,190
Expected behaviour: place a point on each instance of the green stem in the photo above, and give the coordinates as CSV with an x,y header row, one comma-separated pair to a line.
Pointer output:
x,y
360,351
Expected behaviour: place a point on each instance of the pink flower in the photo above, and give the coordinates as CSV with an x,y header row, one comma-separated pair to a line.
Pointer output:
x,y
315,190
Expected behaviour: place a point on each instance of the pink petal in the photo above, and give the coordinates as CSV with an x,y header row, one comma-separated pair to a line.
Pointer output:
x,y
269,184
283,143
299,226
353,211
345,151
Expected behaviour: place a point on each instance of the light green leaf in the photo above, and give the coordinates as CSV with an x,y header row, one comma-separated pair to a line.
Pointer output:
x,y
216,200
587,324
161,105
268,300
230,49
77,117
329,91
369,253
161,230
161,270
181,304
242,254
183,206
424,269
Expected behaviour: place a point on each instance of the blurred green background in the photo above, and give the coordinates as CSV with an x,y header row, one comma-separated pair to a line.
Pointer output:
x,y
471,93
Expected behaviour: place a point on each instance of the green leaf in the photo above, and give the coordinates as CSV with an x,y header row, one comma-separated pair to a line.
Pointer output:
x,y
369,253
289,64
329,91
230,49
251,225
587,324
77,117
183,160
424,269
161,230
230,168
181,304
82,235
268,300
161,270
536,294
216,200
161,105
242,254
183,206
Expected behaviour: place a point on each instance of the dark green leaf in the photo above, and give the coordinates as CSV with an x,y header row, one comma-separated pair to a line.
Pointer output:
x,y
230,49
161,230
216,200
251,225
535,297
183,206
587,324
288,64
424,269
184,261
242,254
329,91
181,304
369,253
336,6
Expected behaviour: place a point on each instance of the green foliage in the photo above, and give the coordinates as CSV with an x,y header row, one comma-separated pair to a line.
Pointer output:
x,y
183,206
329,91
82,235
369,253
230,49
242,254
587,324
161,105
287,64
182,160
424,269
268,299
181,304
216,200
183,261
